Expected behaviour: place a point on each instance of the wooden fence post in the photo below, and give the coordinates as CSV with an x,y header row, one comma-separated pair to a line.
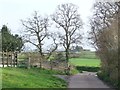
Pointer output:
x,y
28,63
7,54
3,58
16,61
12,62
11,59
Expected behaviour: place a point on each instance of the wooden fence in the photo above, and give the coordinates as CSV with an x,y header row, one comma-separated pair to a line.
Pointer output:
x,y
8,59
35,60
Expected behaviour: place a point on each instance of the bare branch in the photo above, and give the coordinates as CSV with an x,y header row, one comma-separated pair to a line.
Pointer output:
x,y
54,45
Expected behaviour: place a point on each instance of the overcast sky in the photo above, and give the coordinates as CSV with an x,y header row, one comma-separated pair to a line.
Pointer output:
x,y
11,11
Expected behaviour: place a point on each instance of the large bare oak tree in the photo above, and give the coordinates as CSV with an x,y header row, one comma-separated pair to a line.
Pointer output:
x,y
36,29
69,22
36,32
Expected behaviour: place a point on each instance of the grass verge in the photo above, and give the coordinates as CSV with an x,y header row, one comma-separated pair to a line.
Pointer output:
x,y
30,78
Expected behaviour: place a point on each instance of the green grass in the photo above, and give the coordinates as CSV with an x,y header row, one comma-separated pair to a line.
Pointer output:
x,y
85,62
30,78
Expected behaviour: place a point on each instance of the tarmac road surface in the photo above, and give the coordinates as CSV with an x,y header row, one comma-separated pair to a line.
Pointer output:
x,y
84,81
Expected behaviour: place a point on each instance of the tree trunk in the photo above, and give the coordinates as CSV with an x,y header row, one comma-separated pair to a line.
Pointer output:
x,y
40,63
67,57
41,56
51,68
67,61
40,59
67,48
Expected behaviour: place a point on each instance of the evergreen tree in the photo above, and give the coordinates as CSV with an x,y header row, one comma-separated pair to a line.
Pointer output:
x,y
9,41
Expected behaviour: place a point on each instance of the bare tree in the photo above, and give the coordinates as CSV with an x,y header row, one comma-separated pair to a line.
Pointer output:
x,y
36,29
104,29
36,32
68,21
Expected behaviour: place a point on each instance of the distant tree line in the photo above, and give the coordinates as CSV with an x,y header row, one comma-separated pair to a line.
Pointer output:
x,y
76,49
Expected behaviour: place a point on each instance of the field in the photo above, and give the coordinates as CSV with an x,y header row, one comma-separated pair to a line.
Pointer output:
x,y
87,58
85,62
32,78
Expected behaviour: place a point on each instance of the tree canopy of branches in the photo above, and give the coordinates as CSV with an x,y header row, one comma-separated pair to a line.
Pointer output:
x,y
104,36
36,32
69,22
10,42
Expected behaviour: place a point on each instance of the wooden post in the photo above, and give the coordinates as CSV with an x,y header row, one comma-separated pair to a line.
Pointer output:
x,y
16,61
3,58
7,54
28,63
11,59
12,62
